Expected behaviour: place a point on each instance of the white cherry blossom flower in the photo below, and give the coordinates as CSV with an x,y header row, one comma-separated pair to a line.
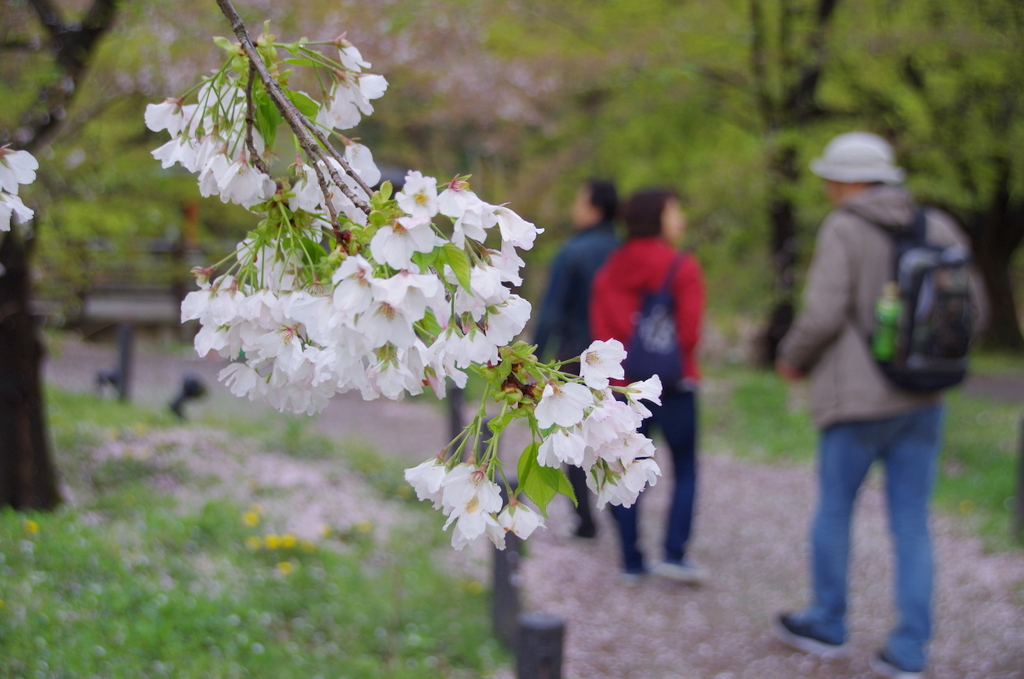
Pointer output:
x,y
425,479
472,223
241,379
508,262
471,499
13,206
16,167
353,292
395,244
601,361
418,196
165,116
243,184
563,404
562,446
647,390
177,151
350,57
507,320
360,160
457,199
515,229
520,519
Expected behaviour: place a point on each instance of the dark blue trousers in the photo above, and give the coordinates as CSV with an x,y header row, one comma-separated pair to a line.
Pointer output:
x,y
676,417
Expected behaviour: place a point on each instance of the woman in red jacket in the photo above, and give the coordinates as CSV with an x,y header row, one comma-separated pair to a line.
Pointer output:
x,y
654,223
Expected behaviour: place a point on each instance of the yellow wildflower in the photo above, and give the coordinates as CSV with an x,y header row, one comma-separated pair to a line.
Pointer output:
x,y
253,543
251,519
272,541
325,532
288,541
404,491
31,527
364,526
307,546
966,506
475,587
286,568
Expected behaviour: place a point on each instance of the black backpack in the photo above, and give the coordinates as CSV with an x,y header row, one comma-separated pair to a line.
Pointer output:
x,y
934,327
653,348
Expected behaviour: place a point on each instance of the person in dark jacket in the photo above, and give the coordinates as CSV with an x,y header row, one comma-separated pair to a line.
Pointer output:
x,y
654,223
563,325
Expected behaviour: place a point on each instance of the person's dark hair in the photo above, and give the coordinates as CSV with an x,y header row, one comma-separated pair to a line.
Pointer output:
x,y
603,196
642,212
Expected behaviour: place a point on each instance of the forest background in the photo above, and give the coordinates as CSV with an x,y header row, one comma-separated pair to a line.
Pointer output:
x,y
724,100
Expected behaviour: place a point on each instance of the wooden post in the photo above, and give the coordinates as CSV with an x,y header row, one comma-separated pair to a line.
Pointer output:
x,y
125,341
539,654
455,420
505,587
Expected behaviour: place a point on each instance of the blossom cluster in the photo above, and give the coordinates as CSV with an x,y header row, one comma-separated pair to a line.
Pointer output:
x,y
16,168
345,285
585,425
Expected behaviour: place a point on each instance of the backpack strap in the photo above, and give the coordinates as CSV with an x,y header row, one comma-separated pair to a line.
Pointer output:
x,y
913,234
666,285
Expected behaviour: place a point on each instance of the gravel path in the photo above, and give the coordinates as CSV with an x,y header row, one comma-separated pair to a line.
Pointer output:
x,y
750,533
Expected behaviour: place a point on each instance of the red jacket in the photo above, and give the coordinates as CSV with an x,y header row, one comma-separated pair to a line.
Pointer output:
x,y
638,267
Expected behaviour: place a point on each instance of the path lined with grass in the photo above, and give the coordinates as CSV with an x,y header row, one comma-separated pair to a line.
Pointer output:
x,y
756,496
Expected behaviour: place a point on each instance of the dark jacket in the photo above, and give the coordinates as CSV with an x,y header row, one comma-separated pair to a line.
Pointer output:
x,y
638,267
564,324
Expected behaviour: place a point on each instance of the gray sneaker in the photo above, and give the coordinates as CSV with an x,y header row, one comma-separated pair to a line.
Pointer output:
x,y
683,571
802,637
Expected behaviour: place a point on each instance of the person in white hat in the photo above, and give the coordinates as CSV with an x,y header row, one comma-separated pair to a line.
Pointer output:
x,y
861,415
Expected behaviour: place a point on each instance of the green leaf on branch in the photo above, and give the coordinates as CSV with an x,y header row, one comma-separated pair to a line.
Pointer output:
x,y
225,44
385,190
424,260
527,463
303,102
313,250
267,118
541,484
458,260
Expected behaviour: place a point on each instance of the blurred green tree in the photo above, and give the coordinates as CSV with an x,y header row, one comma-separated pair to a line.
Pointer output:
x,y
28,479
945,81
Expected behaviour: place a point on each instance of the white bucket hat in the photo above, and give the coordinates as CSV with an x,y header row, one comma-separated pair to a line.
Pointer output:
x,y
858,157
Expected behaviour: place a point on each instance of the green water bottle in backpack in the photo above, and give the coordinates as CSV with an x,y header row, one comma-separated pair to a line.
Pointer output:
x,y
887,320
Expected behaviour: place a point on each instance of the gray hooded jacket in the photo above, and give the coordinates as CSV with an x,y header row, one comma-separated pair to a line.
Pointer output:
x,y
853,259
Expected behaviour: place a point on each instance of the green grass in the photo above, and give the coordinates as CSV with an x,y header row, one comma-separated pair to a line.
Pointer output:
x,y
750,414
134,584
978,465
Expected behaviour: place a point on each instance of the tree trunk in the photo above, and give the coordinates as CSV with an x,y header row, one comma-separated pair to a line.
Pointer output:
x,y
27,478
783,177
994,245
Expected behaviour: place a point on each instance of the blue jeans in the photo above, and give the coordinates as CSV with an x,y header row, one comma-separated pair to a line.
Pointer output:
x,y
677,419
908,445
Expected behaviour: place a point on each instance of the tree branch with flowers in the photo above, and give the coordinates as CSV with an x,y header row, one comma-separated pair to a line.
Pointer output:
x,y
344,287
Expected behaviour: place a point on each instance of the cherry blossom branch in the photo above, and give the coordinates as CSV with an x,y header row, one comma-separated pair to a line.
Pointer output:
x,y
257,161
328,203
337,156
292,116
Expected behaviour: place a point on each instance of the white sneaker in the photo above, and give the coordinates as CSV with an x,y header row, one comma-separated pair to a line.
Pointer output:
x,y
684,572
